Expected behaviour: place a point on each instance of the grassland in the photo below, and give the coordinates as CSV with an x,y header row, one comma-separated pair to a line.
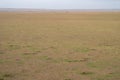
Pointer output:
x,y
60,46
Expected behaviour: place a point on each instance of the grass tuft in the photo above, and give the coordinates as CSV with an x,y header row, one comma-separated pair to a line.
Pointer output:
x,y
1,52
8,75
13,47
67,79
86,73
2,79
67,60
45,58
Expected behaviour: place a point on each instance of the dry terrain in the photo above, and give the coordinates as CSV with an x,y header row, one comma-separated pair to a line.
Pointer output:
x,y
59,45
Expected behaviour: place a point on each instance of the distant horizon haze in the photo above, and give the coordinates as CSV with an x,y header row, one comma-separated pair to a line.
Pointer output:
x,y
61,4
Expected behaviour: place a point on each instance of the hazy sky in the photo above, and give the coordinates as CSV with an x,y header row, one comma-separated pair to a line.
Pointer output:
x,y
61,4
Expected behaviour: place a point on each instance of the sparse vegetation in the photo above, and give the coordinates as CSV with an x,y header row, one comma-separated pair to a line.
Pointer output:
x,y
86,73
1,52
69,60
7,75
59,45
68,79
13,47
82,50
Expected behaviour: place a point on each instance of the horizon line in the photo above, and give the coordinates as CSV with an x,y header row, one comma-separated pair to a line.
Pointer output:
x,y
35,9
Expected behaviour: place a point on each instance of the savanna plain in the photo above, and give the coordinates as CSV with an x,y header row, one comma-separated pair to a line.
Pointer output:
x,y
59,45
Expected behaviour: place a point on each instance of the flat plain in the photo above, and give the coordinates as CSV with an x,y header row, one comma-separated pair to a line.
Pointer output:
x,y
59,45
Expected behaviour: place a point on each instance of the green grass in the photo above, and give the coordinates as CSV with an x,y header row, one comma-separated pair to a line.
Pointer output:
x,y
1,61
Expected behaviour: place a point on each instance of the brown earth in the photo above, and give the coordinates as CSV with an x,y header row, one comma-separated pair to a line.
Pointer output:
x,y
60,46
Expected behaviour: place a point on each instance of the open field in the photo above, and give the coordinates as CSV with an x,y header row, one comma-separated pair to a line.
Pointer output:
x,y
59,46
